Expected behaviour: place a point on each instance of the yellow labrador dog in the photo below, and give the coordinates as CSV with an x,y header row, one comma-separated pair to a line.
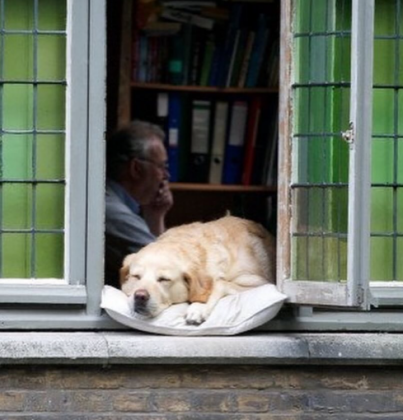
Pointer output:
x,y
198,263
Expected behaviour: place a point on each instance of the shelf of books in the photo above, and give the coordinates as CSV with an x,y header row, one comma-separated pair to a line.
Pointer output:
x,y
260,189
207,72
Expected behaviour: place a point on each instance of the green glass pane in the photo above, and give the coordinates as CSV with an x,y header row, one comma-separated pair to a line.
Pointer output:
x,y
50,156
341,59
400,67
17,107
383,111
340,109
400,111
400,157
343,15
382,160
302,20
49,206
384,61
301,115
315,58
381,261
338,168
51,57
52,15
301,52
381,210
49,255
399,215
16,206
15,255
314,110
399,261
18,14
51,107
17,156
320,210
18,57
316,258
386,17
315,160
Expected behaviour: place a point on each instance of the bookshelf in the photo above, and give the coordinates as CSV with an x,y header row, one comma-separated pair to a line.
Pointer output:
x,y
144,93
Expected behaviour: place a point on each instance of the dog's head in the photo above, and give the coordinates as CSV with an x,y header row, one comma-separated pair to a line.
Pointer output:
x,y
154,279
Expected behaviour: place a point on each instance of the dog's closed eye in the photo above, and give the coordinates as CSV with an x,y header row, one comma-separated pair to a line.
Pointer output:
x,y
163,279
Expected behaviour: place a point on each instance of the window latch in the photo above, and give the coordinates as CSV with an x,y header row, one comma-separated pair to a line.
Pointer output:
x,y
348,135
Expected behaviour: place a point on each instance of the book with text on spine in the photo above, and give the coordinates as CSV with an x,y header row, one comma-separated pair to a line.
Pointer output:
x,y
233,159
198,169
218,142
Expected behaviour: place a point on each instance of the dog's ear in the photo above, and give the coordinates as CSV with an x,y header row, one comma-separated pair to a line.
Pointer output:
x,y
199,285
124,270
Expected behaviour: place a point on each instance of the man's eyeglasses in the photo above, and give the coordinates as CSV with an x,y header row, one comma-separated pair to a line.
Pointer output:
x,y
163,166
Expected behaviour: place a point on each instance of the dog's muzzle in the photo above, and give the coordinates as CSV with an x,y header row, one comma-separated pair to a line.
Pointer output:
x,y
141,298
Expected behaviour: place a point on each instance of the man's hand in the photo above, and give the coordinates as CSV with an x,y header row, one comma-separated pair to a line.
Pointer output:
x,y
154,213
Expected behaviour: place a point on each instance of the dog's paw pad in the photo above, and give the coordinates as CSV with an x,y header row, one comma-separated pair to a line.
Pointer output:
x,y
195,314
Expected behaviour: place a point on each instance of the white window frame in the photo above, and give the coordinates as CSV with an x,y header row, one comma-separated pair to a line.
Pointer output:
x,y
355,292
75,300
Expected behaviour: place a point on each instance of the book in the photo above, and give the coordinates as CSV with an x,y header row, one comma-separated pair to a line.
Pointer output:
x,y
232,60
219,14
218,142
197,56
215,64
246,59
188,4
227,47
263,141
198,169
143,62
258,51
176,65
236,68
162,110
270,169
161,28
173,132
233,159
152,56
250,139
207,60
187,37
135,61
178,15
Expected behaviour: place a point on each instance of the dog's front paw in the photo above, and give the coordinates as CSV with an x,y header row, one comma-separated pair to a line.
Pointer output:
x,y
196,313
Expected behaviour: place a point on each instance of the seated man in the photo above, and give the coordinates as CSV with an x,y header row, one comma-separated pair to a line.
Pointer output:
x,y
137,193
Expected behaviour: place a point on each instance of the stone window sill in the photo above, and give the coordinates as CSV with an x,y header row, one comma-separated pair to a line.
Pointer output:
x,y
130,347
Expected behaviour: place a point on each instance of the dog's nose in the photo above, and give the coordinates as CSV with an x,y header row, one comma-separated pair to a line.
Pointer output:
x,y
141,297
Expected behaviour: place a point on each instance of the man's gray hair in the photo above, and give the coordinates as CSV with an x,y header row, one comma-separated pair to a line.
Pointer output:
x,y
130,141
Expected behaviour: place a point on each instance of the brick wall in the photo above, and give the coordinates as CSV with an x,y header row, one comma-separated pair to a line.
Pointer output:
x,y
200,392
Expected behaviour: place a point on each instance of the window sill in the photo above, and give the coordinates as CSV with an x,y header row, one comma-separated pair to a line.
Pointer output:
x,y
110,348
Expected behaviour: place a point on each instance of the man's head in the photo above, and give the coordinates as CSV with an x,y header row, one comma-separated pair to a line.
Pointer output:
x,y
137,159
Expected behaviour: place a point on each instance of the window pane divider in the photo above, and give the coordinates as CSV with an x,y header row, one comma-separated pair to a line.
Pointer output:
x,y
360,153
76,140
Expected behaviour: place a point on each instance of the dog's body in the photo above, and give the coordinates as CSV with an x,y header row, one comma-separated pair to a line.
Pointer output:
x,y
199,263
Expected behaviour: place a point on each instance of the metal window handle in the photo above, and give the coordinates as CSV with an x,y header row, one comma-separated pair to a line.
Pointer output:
x,y
348,135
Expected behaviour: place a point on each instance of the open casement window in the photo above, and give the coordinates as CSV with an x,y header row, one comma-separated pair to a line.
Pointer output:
x,y
52,71
332,208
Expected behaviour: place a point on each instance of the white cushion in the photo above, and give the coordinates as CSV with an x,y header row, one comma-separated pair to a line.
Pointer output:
x,y
233,314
